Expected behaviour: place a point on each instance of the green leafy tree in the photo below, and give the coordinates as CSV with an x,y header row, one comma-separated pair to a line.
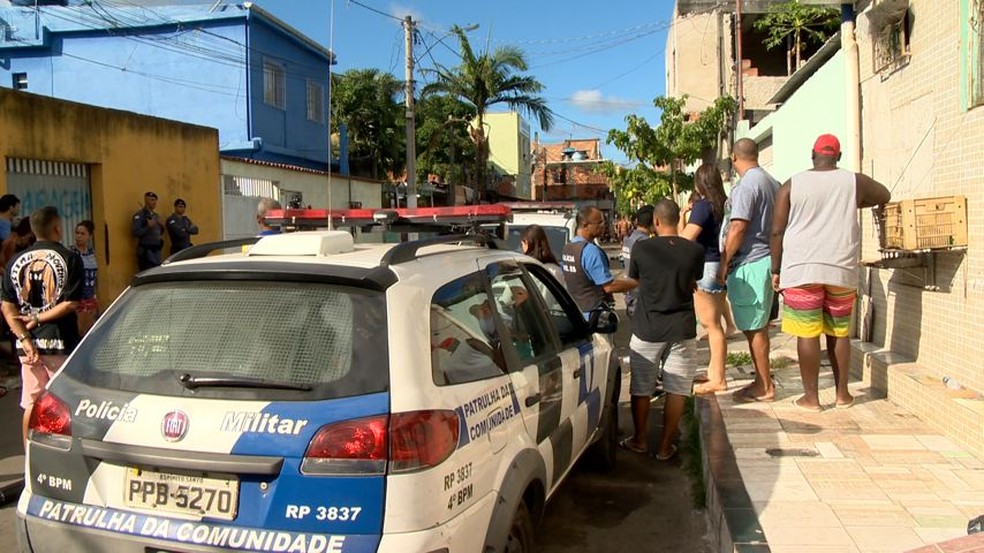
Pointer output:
x,y
488,79
679,140
797,25
444,145
366,101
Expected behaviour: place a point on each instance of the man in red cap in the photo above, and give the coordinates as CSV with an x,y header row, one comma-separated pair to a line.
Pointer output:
x,y
815,243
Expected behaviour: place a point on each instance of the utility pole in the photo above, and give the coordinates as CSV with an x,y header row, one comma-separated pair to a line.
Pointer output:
x,y
408,26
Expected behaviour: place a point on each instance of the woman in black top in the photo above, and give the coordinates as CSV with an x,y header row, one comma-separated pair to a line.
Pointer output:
x,y
710,301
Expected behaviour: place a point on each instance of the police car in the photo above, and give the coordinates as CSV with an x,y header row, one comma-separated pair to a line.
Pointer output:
x,y
314,395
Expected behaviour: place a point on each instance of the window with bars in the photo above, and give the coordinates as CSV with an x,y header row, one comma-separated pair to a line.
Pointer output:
x,y
315,102
274,84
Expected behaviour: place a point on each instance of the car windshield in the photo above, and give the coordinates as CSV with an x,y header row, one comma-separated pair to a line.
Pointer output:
x,y
557,236
324,340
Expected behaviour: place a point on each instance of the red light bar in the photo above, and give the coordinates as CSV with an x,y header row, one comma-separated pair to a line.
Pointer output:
x,y
315,218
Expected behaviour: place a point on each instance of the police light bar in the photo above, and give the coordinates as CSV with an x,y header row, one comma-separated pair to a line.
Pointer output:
x,y
539,206
434,216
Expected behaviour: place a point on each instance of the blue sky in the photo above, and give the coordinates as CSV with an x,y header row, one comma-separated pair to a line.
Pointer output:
x,y
599,61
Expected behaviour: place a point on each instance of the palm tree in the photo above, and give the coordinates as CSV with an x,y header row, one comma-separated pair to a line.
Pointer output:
x,y
486,80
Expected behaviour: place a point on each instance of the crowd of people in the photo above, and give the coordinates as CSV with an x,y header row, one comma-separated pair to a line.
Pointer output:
x,y
723,265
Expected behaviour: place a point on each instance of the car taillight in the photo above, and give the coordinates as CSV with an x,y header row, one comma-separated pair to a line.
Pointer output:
x,y
356,446
422,439
51,421
406,441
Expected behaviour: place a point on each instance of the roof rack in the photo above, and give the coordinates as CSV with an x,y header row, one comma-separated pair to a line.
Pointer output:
x,y
407,251
202,250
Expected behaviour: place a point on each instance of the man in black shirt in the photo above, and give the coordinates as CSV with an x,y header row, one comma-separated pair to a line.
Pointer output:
x,y
180,228
667,269
42,286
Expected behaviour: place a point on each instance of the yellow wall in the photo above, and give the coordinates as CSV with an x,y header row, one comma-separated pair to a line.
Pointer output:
x,y
129,154
509,147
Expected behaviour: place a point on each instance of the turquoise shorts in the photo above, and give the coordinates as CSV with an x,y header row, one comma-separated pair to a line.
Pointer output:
x,y
750,292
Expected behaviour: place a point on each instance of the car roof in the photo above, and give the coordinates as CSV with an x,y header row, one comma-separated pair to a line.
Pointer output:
x,y
283,255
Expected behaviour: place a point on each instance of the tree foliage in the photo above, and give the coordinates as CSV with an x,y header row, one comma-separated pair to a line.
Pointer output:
x,y
484,80
661,152
366,101
797,25
444,147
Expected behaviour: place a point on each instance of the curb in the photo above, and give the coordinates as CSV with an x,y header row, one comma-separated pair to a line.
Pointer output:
x,y
11,491
735,527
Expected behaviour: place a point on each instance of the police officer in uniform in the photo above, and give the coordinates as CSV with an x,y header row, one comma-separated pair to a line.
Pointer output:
x,y
148,229
180,228
586,271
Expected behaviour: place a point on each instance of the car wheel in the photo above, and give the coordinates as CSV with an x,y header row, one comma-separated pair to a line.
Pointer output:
x,y
520,539
603,452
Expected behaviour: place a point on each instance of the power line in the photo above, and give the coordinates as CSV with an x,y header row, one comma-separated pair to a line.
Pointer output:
x,y
372,9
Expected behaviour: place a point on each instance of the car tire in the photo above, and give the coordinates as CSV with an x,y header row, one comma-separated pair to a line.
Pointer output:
x,y
520,538
603,453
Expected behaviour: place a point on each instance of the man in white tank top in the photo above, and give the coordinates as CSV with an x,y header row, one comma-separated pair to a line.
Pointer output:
x,y
815,243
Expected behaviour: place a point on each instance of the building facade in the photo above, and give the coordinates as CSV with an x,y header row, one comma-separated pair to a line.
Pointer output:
x,y
508,135
236,68
570,171
95,163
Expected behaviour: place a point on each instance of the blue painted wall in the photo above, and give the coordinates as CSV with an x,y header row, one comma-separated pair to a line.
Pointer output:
x,y
289,128
198,72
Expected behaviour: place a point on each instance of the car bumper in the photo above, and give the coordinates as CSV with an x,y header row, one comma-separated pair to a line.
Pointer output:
x,y
464,533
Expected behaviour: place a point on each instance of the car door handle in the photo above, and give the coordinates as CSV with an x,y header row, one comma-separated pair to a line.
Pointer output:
x,y
532,400
577,373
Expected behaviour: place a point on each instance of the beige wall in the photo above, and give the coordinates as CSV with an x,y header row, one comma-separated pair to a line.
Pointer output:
x,y
693,60
128,155
920,142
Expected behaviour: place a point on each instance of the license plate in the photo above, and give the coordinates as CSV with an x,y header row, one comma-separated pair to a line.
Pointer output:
x,y
183,494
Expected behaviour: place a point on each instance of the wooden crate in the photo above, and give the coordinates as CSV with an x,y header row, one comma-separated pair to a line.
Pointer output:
x,y
924,224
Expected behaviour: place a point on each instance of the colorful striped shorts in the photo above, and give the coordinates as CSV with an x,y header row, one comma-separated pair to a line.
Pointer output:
x,y
815,309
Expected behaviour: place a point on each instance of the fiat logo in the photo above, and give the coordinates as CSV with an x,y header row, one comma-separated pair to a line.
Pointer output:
x,y
174,426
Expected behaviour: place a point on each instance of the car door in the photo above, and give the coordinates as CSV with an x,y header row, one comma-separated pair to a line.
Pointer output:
x,y
583,356
546,391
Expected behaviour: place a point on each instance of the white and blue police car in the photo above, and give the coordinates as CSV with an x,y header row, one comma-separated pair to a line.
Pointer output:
x,y
316,396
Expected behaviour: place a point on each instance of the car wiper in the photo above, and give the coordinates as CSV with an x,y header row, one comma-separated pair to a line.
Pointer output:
x,y
194,382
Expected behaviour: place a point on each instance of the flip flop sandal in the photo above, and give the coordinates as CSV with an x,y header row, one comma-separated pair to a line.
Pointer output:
x,y
847,405
805,408
626,444
668,456
743,396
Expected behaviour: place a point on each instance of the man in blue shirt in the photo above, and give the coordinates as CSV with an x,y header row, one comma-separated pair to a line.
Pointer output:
x,y
9,209
586,272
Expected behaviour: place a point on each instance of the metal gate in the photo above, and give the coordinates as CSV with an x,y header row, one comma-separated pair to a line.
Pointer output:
x,y
40,183
240,196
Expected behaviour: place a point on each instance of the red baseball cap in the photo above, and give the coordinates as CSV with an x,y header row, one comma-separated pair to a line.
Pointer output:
x,y
827,144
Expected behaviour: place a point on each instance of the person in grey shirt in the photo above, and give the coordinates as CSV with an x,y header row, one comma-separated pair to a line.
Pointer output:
x,y
746,262
644,227
148,228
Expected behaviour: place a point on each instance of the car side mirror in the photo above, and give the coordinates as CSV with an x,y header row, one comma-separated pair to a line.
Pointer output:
x,y
603,320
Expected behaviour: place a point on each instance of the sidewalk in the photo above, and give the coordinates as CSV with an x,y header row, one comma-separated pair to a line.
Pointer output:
x,y
865,479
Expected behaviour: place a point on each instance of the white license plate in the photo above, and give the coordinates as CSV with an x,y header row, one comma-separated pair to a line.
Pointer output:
x,y
183,494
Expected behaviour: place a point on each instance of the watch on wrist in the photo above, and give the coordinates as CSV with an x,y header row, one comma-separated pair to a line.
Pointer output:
x,y
24,337
775,272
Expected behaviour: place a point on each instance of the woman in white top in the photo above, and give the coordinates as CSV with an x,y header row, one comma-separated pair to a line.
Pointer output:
x,y
535,244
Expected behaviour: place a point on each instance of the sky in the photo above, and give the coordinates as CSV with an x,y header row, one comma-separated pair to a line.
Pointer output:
x,y
598,61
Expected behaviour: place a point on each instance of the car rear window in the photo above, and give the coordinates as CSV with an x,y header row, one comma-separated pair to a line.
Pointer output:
x,y
327,337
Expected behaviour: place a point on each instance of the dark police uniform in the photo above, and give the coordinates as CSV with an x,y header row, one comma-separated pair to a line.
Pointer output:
x,y
149,240
583,289
179,229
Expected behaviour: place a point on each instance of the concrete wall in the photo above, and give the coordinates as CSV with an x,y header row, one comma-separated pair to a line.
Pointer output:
x,y
817,107
128,154
920,141
509,148
693,62
312,184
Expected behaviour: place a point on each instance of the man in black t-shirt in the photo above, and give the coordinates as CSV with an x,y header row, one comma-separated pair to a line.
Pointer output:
x,y
42,286
666,268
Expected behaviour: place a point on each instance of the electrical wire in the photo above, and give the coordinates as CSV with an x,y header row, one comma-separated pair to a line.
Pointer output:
x,y
372,9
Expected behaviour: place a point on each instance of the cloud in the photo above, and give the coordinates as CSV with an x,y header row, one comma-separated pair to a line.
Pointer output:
x,y
594,101
401,11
